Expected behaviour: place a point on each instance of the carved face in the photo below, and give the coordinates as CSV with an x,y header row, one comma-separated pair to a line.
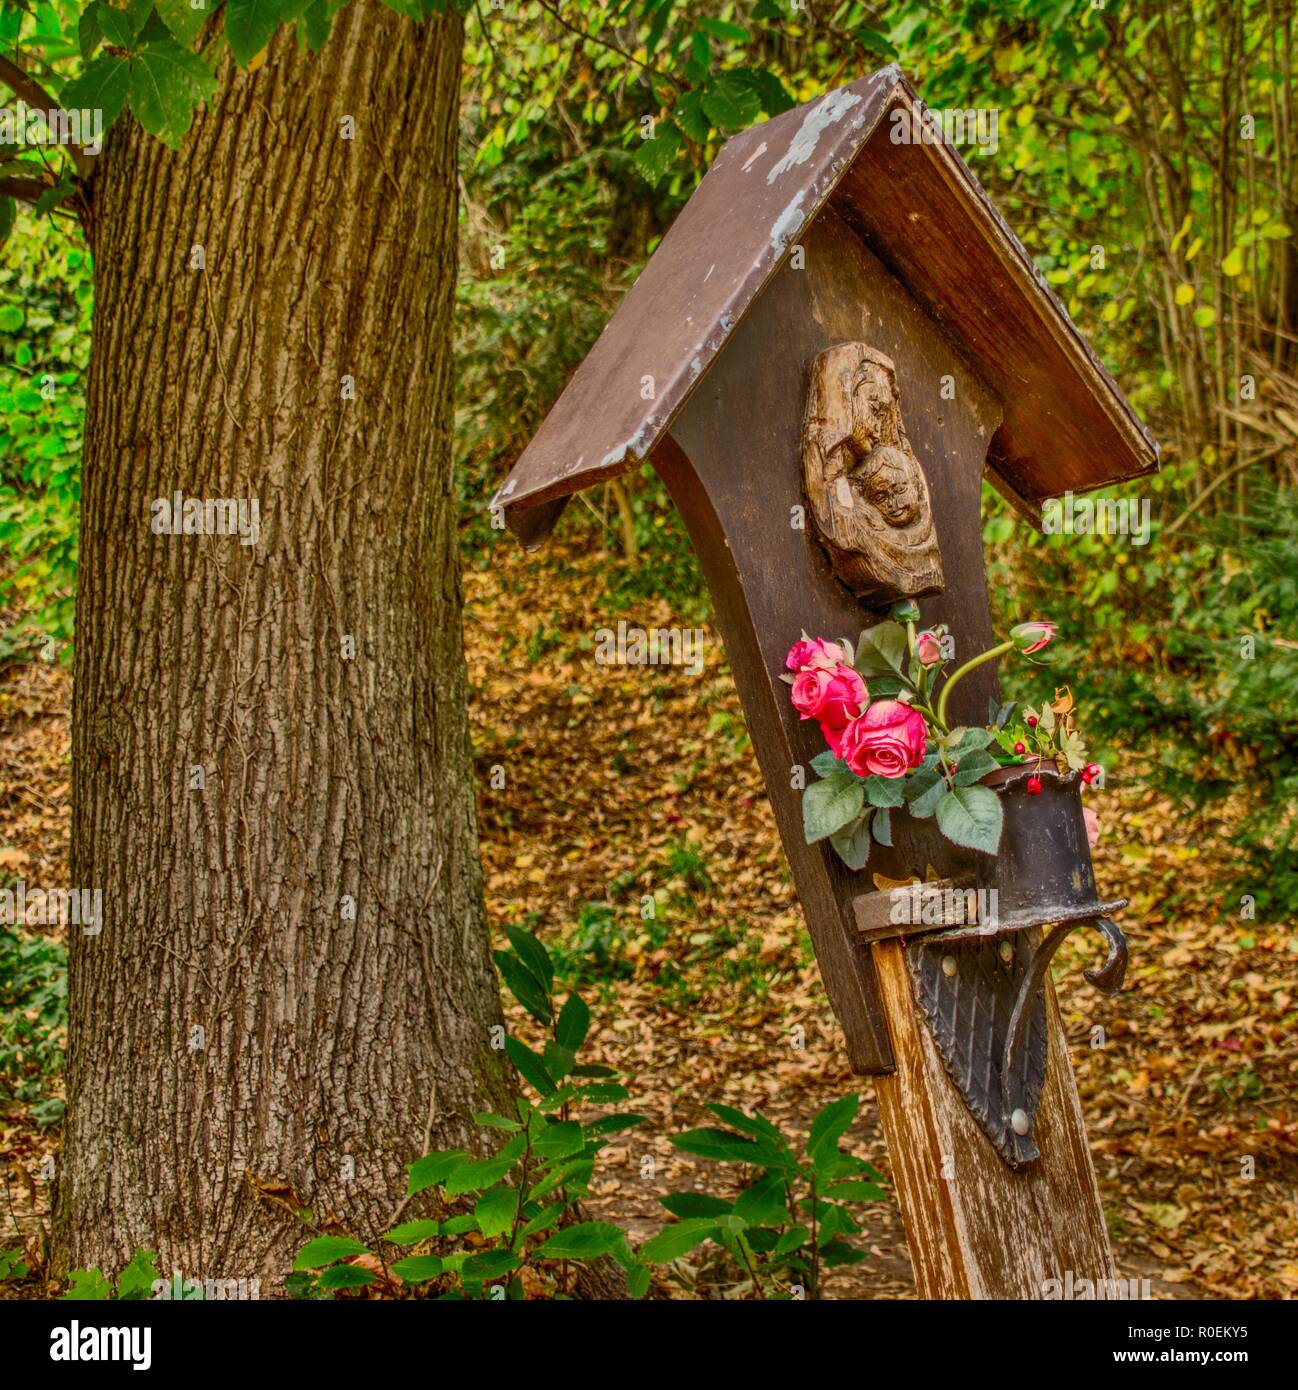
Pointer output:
x,y
869,499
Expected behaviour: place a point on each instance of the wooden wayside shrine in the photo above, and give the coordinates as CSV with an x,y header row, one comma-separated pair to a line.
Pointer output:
x,y
839,327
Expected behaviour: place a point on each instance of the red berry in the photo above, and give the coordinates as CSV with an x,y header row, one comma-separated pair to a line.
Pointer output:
x,y
1032,721
1020,748
1034,786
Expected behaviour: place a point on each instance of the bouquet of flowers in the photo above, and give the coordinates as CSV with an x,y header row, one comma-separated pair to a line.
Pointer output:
x,y
882,708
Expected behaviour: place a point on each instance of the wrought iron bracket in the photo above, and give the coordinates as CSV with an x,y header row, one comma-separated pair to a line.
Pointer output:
x,y
983,997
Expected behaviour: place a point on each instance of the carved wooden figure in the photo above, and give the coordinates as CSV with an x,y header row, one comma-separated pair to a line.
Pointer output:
x,y
869,500
824,423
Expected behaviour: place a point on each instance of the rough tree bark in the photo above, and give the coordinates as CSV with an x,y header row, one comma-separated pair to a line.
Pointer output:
x,y
238,1040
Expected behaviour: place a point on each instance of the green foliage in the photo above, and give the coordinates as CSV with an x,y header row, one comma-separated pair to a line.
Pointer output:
x,y
46,284
793,1222
33,1019
134,1283
515,1209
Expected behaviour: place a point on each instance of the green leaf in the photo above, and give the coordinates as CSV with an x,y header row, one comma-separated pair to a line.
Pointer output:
x,y
965,739
490,1121
828,805
637,1280
89,34
971,817
923,791
688,112
613,1124
973,766
433,1168
417,1269
544,1218
495,1211
720,29
654,158
534,956
730,103
102,86
345,1277
182,19
561,1139
725,1147
249,25
881,827
881,651
884,791
791,1240
477,1174
825,763
412,1232
559,1062
88,1286
318,20
755,1124
324,1250
530,1066
8,216
121,25
522,984
852,843
674,1241
491,1264
831,1123
762,1204
167,82
695,1204
137,1279
574,1023
586,1241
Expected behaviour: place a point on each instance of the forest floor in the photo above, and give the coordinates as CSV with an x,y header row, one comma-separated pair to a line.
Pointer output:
x,y
622,783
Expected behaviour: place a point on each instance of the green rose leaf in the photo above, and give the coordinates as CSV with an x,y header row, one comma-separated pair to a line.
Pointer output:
x,y
828,805
881,651
852,844
823,764
971,817
884,791
882,827
923,791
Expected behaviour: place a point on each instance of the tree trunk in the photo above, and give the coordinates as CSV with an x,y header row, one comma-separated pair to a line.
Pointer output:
x,y
268,734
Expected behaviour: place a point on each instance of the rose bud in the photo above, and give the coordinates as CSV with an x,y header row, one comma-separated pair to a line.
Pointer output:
x,y
907,611
1090,773
1034,785
1031,637
928,649
1020,747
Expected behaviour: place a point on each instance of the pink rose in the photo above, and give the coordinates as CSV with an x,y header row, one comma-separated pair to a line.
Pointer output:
x,y
928,648
889,739
814,654
834,696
